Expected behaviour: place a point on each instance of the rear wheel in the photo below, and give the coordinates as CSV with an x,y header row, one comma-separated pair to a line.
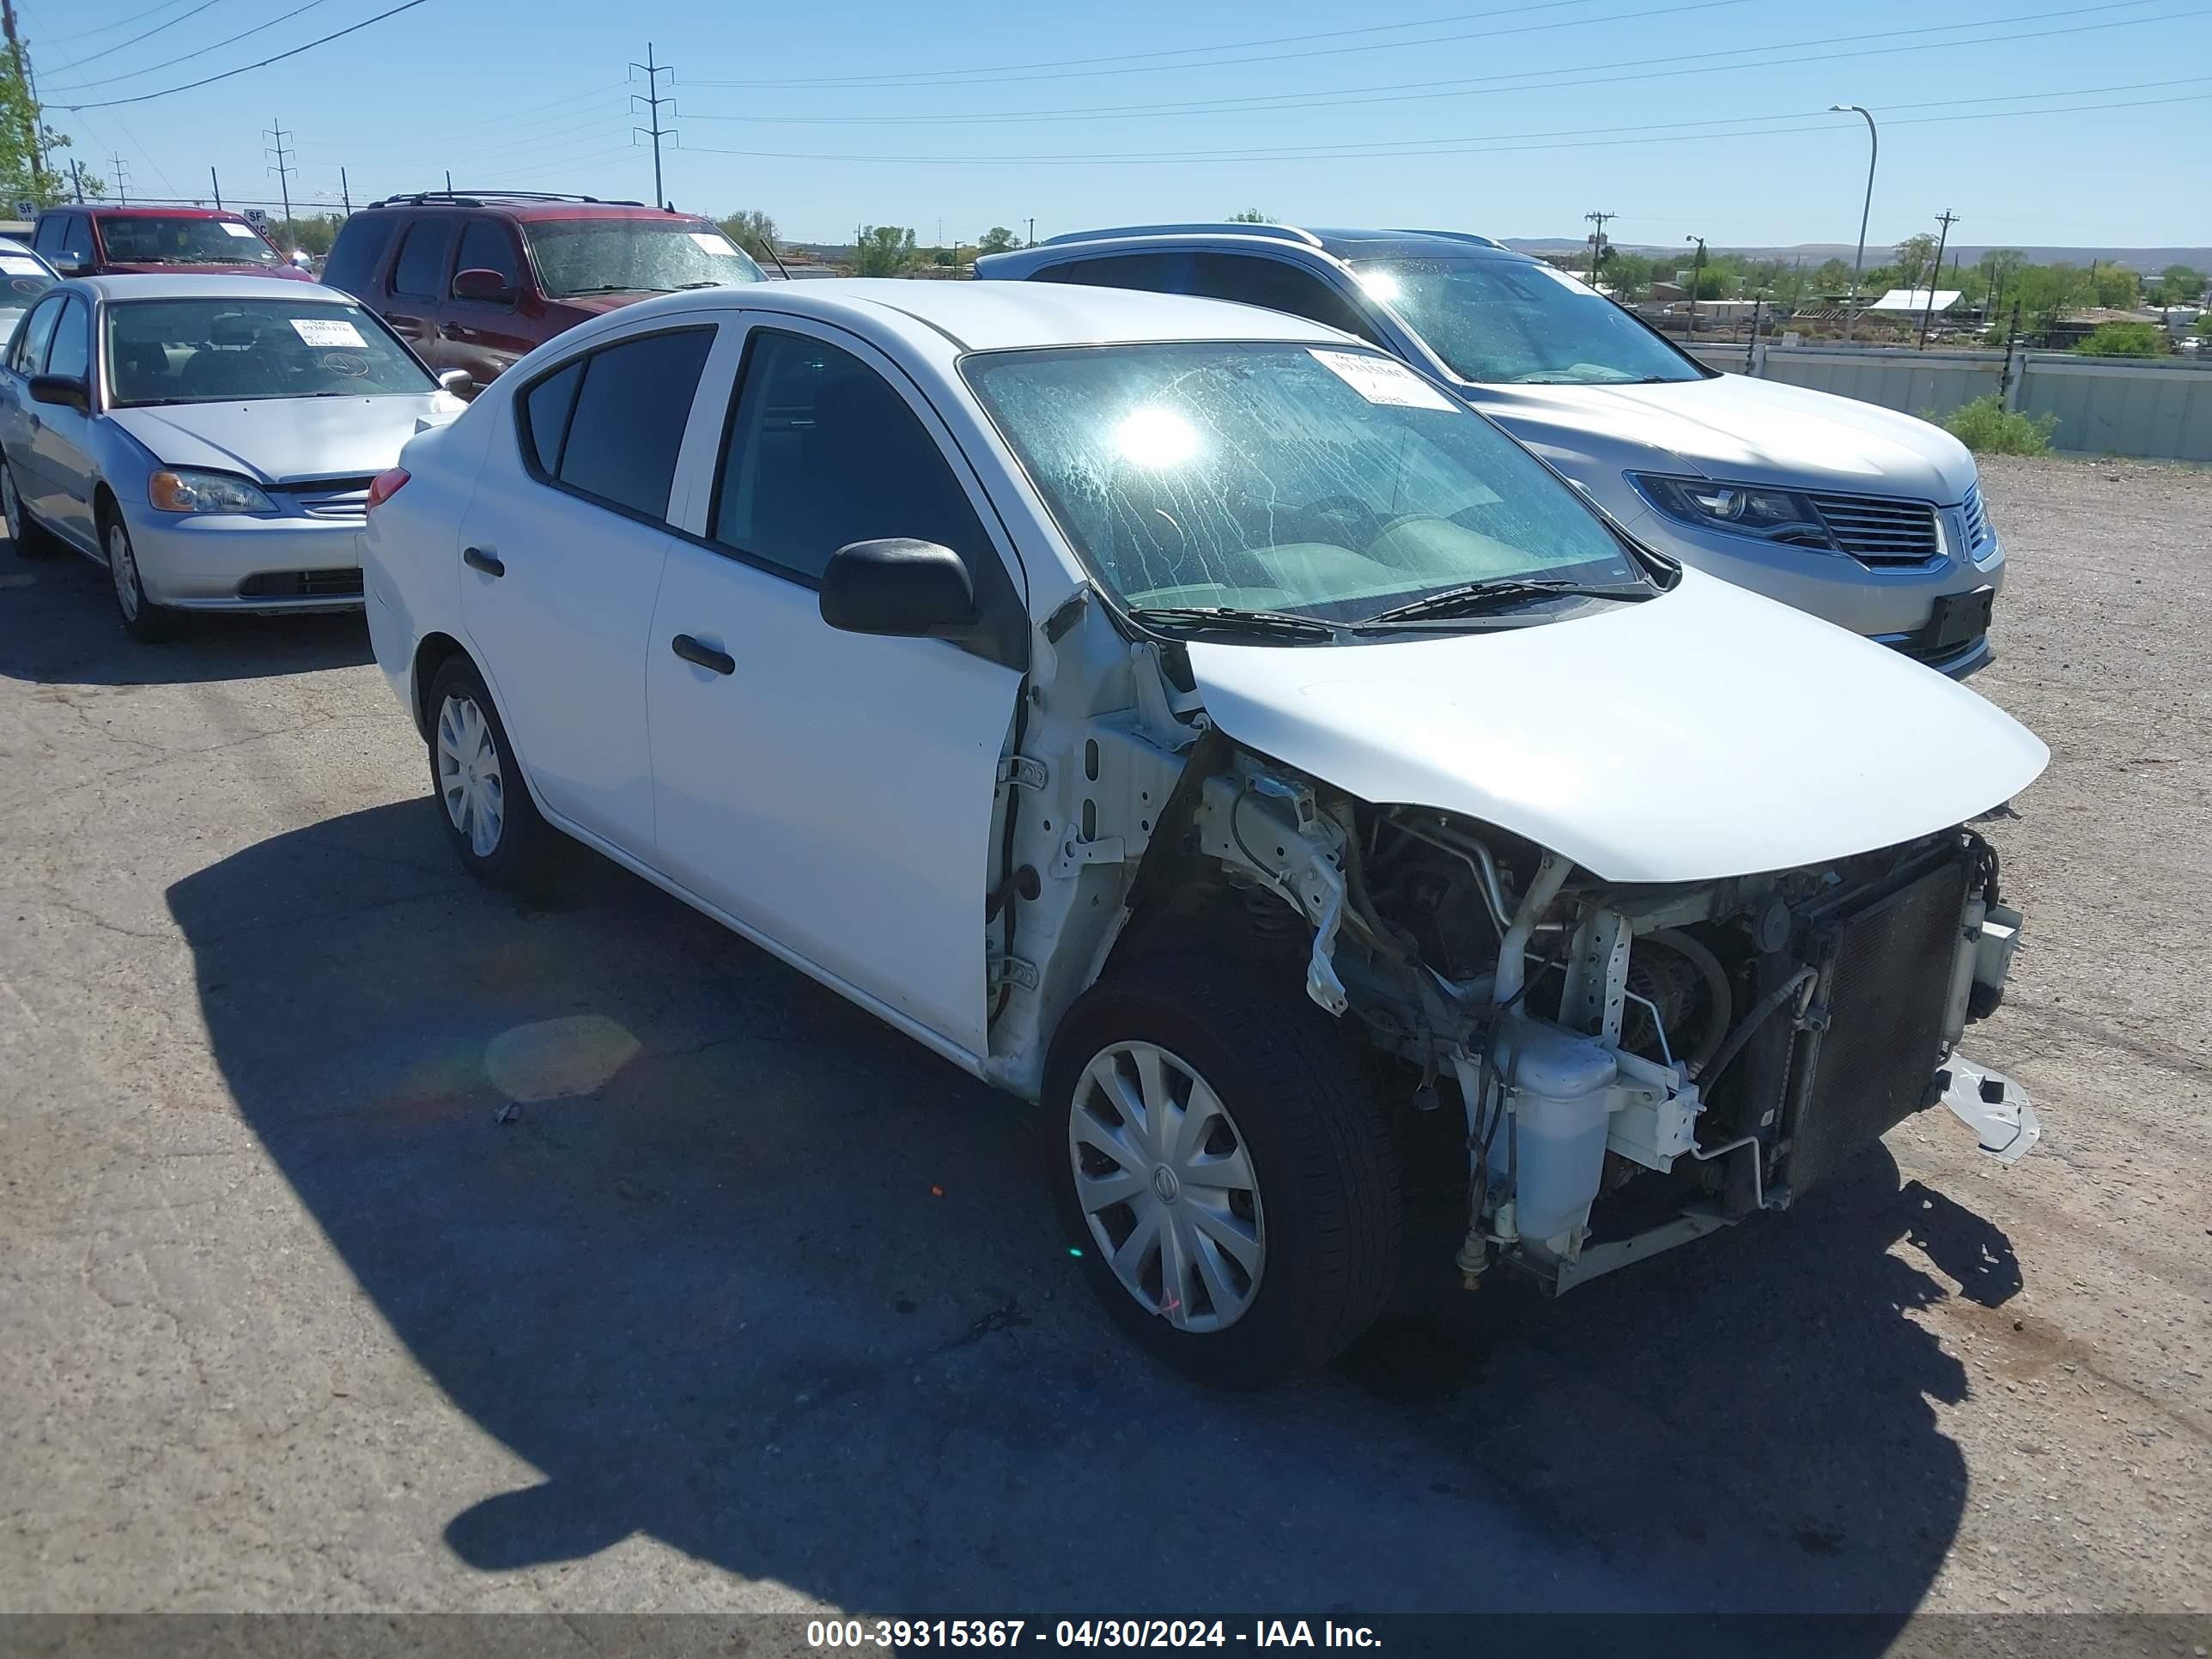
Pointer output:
x,y
1224,1169
31,540
491,823
142,620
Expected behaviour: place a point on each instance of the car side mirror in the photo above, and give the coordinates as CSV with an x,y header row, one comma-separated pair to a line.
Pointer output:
x,y
458,381
65,266
476,283
64,391
907,588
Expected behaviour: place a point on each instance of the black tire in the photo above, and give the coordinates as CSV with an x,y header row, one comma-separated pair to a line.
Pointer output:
x,y
33,539
524,840
142,620
1326,1168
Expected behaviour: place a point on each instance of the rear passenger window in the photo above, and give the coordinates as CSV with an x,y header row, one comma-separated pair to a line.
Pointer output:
x,y
1149,273
628,420
545,409
29,355
352,263
1278,286
823,452
72,349
419,273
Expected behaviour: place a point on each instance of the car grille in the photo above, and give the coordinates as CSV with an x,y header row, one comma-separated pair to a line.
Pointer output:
x,y
1877,531
330,498
302,584
1978,534
1885,982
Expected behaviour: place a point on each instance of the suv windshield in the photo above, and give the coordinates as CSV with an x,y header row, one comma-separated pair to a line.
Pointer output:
x,y
158,238
1502,320
198,351
634,256
1323,482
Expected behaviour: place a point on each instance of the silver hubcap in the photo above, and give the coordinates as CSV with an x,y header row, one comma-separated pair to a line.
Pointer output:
x,y
1163,1179
468,779
124,569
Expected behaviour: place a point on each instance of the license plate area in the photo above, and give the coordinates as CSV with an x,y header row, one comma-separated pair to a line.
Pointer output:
x,y
1958,618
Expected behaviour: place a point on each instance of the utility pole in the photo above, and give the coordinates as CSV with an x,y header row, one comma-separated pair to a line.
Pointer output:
x,y
345,193
1697,271
31,147
652,99
283,169
217,183
1597,240
76,177
122,172
1946,219
1033,230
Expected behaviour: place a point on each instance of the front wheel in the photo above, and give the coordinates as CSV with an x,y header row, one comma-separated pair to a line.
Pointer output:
x,y
491,823
142,620
1223,1170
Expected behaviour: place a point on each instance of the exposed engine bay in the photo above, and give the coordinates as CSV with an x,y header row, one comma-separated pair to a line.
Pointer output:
x,y
1634,1065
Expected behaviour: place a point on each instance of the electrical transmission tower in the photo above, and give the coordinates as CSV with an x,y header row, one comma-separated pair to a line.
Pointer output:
x,y
652,99
282,167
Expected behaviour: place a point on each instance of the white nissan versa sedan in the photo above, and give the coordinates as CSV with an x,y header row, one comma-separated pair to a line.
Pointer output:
x,y
1191,718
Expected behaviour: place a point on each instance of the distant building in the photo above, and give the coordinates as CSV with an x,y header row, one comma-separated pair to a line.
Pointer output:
x,y
1913,301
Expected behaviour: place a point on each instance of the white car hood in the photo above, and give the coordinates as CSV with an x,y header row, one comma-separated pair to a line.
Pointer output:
x,y
1704,734
274,438
1735,428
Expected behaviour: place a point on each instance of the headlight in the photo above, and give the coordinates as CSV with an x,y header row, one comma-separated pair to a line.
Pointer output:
x,y
183,491
1775,515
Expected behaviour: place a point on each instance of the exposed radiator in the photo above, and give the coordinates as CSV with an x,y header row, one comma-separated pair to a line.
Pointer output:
x,y
1885,963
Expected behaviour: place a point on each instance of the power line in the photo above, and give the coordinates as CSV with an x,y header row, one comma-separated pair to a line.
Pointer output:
x,y
181,16
120,22
1408,91
186,58
208,81
1369,152
1319,52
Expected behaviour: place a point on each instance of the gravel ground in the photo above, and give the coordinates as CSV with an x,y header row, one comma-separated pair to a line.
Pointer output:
x,y
755,1305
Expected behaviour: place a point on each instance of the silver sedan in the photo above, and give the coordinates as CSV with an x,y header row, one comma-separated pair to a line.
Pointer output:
x,y
210,439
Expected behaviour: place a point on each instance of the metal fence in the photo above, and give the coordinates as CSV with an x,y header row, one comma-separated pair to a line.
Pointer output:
x,y
2159,408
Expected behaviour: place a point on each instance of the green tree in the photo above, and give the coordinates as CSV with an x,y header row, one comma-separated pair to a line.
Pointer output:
x,y
752,230
19,116
2176,285
884,251
1628,275
1250,217
312,234
2124,340
2116,286
1834,276
1916,257
997,239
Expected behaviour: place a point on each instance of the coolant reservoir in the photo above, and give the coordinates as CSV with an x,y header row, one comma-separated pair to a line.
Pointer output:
x,y
1559,1085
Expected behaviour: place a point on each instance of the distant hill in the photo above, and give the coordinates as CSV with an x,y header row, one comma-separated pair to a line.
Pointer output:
x,y
2149,260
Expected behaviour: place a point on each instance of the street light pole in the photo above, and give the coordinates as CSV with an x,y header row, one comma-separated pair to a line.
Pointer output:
x,y
1873,154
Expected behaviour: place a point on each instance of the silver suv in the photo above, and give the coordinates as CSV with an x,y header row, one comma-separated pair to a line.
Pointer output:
x,y
1857,514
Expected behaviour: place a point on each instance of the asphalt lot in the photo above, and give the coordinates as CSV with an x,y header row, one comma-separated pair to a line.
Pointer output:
x,y
754,1305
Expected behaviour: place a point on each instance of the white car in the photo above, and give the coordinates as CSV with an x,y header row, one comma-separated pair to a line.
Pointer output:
x,y
1191,719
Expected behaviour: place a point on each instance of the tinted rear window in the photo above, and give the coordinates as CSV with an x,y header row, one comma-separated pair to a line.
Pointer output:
x,y
629,418
361,245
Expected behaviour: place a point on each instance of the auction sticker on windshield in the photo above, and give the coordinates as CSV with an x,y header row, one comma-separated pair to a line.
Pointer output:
x,y
1380,381
247,232
712,243
14,265
327,332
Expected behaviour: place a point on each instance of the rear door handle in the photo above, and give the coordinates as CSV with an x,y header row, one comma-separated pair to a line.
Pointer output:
x,y
490,563
705,655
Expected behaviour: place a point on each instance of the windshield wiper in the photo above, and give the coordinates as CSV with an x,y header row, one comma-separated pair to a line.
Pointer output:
x,y
1475,599
1229,619
616,287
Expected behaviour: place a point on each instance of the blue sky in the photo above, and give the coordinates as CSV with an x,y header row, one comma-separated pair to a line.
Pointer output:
x,y
1511,117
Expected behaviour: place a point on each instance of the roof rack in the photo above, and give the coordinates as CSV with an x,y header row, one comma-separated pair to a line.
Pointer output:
x,y
1474,236
1275,232
481,198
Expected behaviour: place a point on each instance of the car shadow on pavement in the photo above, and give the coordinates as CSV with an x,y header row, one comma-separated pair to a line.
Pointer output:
x,y
58,626
733,1265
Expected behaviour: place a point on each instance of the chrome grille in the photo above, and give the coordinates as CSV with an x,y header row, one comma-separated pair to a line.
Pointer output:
x,y
1876,530
1978,520
330,498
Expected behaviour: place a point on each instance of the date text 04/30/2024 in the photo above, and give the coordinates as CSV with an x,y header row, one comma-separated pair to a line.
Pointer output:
x,y
1085,1633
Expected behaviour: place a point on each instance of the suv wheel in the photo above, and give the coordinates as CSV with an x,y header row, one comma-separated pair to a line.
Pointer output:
x,y
491,823
1223,1170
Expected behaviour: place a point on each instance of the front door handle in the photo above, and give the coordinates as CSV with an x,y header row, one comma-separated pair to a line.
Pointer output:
x,y
490,563
705,655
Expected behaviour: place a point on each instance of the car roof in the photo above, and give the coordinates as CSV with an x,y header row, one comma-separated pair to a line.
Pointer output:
x,y
156,285
1007,316
111,210
1340,243
527,211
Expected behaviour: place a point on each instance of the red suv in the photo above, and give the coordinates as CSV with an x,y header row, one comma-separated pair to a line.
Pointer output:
x,y
474,280
114,242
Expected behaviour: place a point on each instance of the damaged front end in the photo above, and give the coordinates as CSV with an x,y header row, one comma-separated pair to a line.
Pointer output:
x,y
1637,1064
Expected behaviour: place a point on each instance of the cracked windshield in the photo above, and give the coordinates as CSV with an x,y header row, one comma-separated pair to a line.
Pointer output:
x,y
632,256
1317,484
158,238
1499,320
